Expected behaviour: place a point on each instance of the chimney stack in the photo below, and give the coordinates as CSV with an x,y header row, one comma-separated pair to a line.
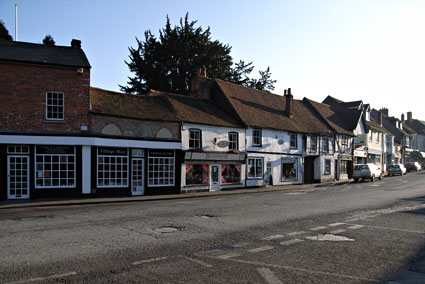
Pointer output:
x,y
76,43
384,110
289,102
402,117
409,117
380,117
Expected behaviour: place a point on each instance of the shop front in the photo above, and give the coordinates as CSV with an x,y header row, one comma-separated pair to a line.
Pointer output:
x,y
345,166
360,156
375,157
202,171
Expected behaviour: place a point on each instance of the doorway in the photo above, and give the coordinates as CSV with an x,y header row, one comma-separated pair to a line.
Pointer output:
x,y
215,178
18,177
137,180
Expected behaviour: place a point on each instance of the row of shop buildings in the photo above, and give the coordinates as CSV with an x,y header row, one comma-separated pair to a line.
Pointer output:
x,y
61,137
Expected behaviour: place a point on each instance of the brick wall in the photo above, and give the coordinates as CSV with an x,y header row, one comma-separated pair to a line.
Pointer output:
x,y
23,90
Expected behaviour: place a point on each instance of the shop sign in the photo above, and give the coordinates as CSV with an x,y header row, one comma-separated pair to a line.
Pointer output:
x,y
54,149
346,157
110,151
360,154
195,156
161,153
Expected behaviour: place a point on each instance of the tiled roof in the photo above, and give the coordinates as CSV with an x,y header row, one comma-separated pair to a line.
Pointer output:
x,y
266,110
336,120
354,104
408,129
374,126
418,126
15,51
351,116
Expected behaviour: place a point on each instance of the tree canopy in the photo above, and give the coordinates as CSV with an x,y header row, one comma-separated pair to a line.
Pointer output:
x,y
48,40
169,62
4,33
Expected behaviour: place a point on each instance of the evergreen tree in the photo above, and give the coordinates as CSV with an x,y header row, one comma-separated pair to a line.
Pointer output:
x,y
48,40
4,33
171,61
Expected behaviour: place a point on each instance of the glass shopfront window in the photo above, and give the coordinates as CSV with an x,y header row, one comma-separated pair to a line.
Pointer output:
x,y
289,169
161,168
54,166
112,167
197,174
255,167
230,173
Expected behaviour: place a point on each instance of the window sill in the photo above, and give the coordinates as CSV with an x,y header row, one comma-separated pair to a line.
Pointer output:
x,y
254,178
55,121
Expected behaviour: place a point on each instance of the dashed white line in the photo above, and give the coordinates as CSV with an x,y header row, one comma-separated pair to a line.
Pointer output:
x,y
296,233
318,228
337,231
355,227
268,276
273,237
230,255
336,224
291,242
198,261
260,249
44,278
149,260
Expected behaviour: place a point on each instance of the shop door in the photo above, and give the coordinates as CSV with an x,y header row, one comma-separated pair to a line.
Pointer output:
x,y
137,170
215,178
268,179
18,177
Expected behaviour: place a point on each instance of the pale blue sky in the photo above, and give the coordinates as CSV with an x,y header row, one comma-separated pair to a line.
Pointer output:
x,y
373,50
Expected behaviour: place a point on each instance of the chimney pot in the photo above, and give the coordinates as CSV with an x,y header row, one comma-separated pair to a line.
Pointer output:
x,y
409,117
289,91
284,92
289,102
76,43
402,117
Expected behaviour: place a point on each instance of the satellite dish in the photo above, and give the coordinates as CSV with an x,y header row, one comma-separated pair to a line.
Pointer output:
x,y
222,144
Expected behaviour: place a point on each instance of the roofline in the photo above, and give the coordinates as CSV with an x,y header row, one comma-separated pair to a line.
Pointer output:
x,y
24,62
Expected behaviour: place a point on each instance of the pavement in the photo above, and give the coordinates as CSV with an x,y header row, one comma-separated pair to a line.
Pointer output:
x,y
12,204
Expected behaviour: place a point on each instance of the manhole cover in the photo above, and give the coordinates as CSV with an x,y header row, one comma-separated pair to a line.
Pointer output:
x,y
166,229
330,238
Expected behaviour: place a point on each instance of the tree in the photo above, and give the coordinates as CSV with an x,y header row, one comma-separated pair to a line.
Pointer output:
x,y
171,61
48,40
4,33
265,83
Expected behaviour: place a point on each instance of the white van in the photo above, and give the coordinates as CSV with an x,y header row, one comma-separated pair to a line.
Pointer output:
x,y
366,171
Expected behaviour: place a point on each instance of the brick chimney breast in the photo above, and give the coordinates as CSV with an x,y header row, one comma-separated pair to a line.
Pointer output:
x,y
76,43
289,103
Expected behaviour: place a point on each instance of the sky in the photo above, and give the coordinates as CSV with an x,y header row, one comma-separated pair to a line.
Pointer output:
x,y
369,50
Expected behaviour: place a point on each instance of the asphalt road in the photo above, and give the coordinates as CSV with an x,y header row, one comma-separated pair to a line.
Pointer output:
x,y
352,233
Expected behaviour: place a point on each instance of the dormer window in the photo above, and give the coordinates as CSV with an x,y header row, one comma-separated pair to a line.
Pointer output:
x,y
55,106
195,139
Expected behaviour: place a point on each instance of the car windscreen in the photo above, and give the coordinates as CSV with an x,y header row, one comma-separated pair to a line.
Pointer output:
x,y
394,166
360,167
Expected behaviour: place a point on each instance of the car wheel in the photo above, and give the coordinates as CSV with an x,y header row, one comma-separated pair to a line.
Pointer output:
x,y
372,179
356,180
380,177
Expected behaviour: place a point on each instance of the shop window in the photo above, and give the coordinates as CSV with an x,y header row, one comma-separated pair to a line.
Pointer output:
x,y
255,167
230,173
327,167
112,167
54,166
197,174
293,141
289,169
161,168
18,149
256,137
233,141
55,106
195,139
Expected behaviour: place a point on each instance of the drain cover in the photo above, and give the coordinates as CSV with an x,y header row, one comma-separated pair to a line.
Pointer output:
x,y
166,229
330,238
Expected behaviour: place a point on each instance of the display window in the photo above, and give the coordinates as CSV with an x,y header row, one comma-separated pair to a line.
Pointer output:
x,y
289,169
255,167
54,166
197,174
112,167
161,168
230,173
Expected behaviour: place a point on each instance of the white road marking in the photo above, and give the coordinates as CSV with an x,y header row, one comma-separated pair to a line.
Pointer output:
x,y
395,229
296,233
337,231
355,227
374,185
260,249
198,261
149,260
291,242
268,276
330,238
336,224
230,255
318,272
318,228
44,278
295,193
273,237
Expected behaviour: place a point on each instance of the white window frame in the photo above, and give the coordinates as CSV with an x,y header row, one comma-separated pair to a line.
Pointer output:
x,y
258,137
51,170
53,105
255,167
370,136
325,144
23,149
325,172
196,140
115,171
311,144
173,171
295,140
233,135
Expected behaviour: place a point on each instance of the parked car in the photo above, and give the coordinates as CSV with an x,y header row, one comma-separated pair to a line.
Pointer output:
x,y
366,171
413,166
396,170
